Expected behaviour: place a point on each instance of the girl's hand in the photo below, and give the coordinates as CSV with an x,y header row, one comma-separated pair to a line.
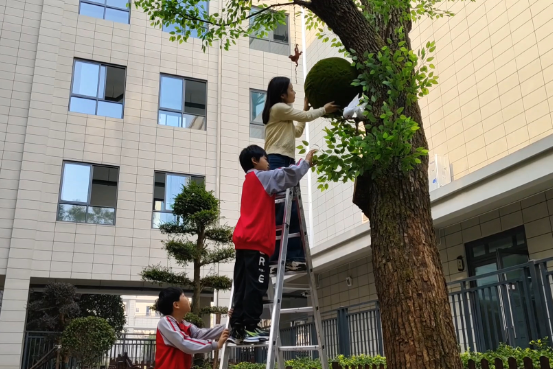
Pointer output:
x,y
223,339
230,312
309,157
306,105
331,108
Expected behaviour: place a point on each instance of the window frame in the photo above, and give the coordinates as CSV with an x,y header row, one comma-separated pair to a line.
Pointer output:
x,y
89,194
106,6
182,112
476,261
254,90
96,98
206,27
270,34
165,173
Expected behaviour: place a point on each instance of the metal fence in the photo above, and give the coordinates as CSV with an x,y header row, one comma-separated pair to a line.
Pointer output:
x,y
138,347
512,305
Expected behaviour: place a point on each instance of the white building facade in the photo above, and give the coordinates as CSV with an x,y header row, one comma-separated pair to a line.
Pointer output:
x,y
102,118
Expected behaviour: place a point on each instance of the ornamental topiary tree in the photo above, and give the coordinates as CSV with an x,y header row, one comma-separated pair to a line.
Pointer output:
x,y
108,307
331,80
196,237
87,339
388,162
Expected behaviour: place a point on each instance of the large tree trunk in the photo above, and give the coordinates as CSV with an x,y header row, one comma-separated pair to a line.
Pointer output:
x,y
416,317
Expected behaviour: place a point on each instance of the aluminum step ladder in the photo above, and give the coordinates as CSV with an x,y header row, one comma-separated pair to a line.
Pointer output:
x,y
277,287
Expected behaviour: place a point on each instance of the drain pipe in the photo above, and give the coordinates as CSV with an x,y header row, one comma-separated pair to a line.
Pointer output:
x,y
309,179
218,144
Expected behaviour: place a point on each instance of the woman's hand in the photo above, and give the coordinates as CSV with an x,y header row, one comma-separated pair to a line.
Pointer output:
x,y
331,108
230,311
306,105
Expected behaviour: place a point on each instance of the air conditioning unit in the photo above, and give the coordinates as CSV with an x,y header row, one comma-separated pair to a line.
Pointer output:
x,y
439,172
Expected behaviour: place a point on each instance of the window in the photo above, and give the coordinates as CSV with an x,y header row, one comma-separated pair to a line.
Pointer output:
x,y
88,193
166,187
176,111
257,103
276,41
113,10
138,310
147,311
97,89
203,8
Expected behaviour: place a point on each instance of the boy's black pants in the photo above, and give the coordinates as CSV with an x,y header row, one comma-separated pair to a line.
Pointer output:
x,y
251,280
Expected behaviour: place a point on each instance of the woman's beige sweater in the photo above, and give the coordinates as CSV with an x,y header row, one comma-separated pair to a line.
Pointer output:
x,y
281,132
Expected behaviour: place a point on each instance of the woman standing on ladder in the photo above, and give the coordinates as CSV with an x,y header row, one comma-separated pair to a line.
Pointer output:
x,y
280,144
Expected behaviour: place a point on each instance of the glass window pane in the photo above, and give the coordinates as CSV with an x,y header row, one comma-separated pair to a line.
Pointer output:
x,y
102,83
170,28
484,269
80,105
92,10
96,1
167,118
100,215
115,84
104,187
120,16
72,213
257,104
159,191
171,93
173,187
75,182
478,250
118,3
160,218
280,33
85,79
112,110
503,243
257,131
252,19
195,98
193,122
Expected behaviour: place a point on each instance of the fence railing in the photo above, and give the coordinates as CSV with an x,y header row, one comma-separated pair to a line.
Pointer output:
x,y
512,305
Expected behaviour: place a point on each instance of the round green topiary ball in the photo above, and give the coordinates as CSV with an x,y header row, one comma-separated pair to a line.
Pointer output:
x,y
330,80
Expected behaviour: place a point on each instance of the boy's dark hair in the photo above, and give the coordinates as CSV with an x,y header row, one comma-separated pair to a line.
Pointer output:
x,y
167,296
249,153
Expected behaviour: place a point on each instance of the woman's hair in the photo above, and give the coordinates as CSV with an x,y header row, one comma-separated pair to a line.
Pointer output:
x,y
277,87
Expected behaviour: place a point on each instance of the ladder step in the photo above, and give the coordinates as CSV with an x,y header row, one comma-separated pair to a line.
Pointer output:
x,y
246,345
296,289
300,310
299,348
291,235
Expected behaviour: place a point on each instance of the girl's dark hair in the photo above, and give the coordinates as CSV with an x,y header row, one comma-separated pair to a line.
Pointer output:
x,y
167,297
277,87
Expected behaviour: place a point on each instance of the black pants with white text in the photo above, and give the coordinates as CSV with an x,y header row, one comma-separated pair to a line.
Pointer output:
x,y
251,280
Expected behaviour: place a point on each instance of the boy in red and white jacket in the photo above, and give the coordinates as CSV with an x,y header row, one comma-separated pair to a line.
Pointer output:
x,y
178,340
254,237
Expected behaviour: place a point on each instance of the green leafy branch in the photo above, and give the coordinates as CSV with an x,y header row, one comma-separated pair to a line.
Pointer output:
x,y
392,81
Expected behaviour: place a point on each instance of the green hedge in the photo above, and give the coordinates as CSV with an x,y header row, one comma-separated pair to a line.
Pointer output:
x,y
504,352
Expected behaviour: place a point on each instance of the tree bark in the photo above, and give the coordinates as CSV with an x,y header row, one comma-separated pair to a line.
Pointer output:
x,y
416,317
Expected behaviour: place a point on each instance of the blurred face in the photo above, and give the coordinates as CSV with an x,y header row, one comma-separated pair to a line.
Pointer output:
x,y
261,164
182,306
290,96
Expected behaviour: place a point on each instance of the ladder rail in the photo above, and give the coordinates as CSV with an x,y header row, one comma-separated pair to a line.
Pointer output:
x,y
277,300
313,285
274,345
